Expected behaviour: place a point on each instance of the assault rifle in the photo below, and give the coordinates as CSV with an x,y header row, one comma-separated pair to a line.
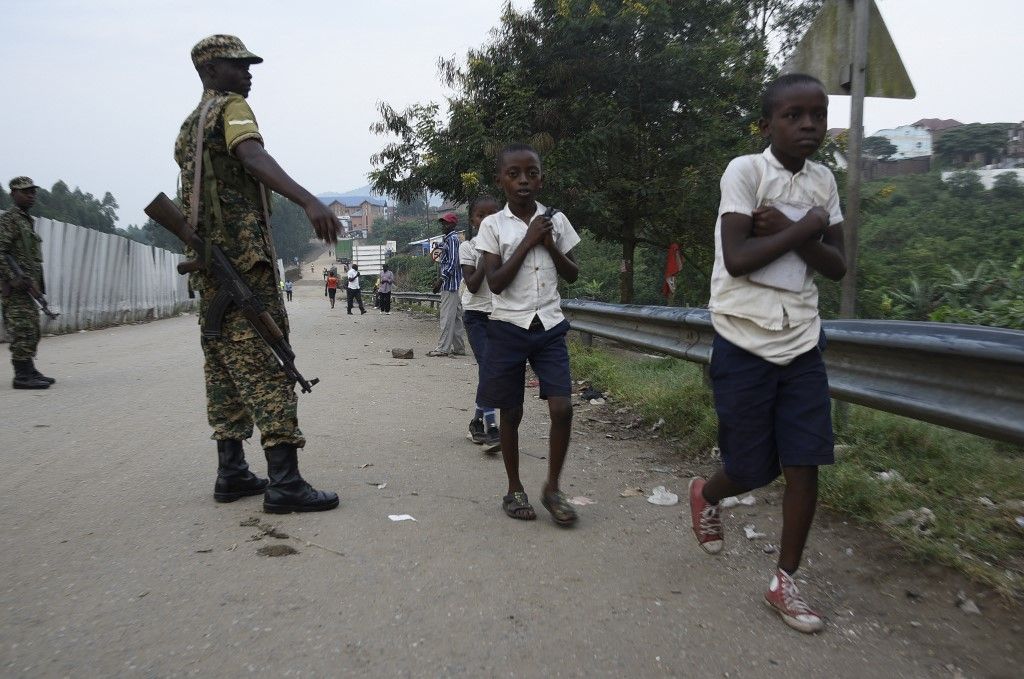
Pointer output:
x,y
31,288
231,288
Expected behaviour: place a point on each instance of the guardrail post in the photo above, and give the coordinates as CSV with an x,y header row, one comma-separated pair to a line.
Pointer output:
x,y
587,339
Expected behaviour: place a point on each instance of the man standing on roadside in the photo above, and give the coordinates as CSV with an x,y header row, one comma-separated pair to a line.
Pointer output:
x,y
225,176
19,241
353,290
450,342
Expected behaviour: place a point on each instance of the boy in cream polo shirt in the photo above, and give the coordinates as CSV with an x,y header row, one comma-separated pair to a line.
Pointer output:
x,y
526,250
779,221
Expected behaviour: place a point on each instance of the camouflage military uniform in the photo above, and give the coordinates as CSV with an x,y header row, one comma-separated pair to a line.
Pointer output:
x,y
244,383
21,315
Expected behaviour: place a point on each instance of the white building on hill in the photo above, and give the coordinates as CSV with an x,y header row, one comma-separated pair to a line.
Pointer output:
x,y
910,141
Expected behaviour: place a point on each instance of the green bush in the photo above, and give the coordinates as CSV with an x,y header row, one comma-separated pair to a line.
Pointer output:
x,y
413,273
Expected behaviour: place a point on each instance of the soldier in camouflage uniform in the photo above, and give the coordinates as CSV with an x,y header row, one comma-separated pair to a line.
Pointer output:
x,y
244,383
21,315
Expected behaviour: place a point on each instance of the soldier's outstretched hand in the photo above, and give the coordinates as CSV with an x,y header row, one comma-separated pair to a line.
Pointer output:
x,y
325,224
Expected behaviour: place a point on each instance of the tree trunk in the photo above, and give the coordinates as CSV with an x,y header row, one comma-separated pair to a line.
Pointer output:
x,y
626,266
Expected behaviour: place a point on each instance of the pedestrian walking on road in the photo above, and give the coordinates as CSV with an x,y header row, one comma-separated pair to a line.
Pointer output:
x,y
288,286
20,244
331,287
526,250
387,280
353,291
476,302
767,374
450,341
225,176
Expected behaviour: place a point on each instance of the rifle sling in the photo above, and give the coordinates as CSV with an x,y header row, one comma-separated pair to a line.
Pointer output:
x,y
193,215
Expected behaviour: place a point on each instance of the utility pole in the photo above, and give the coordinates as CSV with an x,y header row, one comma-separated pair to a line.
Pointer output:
x,y
851,223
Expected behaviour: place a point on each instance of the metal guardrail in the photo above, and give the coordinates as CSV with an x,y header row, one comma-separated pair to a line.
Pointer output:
x,y
965,377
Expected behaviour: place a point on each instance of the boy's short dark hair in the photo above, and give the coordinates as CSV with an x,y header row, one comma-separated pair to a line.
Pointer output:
x,y
481,199
513,148
775,88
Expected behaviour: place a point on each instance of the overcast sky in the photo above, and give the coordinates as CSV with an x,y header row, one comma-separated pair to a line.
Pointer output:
x,y
94,91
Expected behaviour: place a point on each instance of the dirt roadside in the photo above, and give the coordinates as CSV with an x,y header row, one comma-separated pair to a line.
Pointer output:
x,y
118,562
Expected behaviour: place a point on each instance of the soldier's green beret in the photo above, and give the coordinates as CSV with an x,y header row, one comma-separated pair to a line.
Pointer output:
x,y
22,183
221,47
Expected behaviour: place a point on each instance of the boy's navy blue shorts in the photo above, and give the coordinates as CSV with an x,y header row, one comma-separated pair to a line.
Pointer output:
x,y
770,416
509,347
475,323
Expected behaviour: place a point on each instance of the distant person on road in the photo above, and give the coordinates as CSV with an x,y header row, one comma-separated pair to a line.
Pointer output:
x,y
19,241
288,286
526,250
331,286
476,304
387,280
768,378
353,290
450,341
225,177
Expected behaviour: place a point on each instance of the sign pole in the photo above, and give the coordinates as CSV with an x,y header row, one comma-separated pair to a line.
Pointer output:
x,y
851,224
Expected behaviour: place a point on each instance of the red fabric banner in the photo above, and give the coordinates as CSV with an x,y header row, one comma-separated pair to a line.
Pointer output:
x,y
673,265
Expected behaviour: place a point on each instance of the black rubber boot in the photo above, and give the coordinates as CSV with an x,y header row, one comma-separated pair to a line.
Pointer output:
x,y
234,480
38,375
288,491
23,377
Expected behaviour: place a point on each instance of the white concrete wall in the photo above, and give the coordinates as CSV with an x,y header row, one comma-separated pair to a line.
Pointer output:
x,y
910,142
96,279
988,177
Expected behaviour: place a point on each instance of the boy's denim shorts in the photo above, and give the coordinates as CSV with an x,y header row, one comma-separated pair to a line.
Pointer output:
x,y
770,416
509,347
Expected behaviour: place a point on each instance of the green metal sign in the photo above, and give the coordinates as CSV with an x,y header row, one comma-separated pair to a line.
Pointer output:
x,y
826,52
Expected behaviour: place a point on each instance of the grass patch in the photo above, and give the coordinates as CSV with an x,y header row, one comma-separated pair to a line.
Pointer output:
x,y
946,471
419,307
654,388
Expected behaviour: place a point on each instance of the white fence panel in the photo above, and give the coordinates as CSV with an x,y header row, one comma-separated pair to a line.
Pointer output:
x,y
96,279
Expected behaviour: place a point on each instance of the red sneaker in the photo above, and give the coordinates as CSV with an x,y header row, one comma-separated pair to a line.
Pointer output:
x,y
707,524
784,598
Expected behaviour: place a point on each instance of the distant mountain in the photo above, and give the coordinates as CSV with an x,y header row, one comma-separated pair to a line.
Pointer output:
x,y
361,191
367,192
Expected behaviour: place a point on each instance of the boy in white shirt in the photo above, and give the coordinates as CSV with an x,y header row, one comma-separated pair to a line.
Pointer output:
x,y
476,305
526,251
769,382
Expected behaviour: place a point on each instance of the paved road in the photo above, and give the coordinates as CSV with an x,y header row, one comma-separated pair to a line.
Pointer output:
x,y
117,562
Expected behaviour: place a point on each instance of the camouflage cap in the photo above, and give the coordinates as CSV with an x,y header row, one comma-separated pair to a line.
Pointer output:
x,y
221,47
22,183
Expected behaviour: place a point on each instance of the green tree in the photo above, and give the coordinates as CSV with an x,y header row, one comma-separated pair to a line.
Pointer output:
x,y
62,204
137,234
780,23
402,231
1007,187
291,228
879,147
635,106
960,146
915,228
965,184
416,207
